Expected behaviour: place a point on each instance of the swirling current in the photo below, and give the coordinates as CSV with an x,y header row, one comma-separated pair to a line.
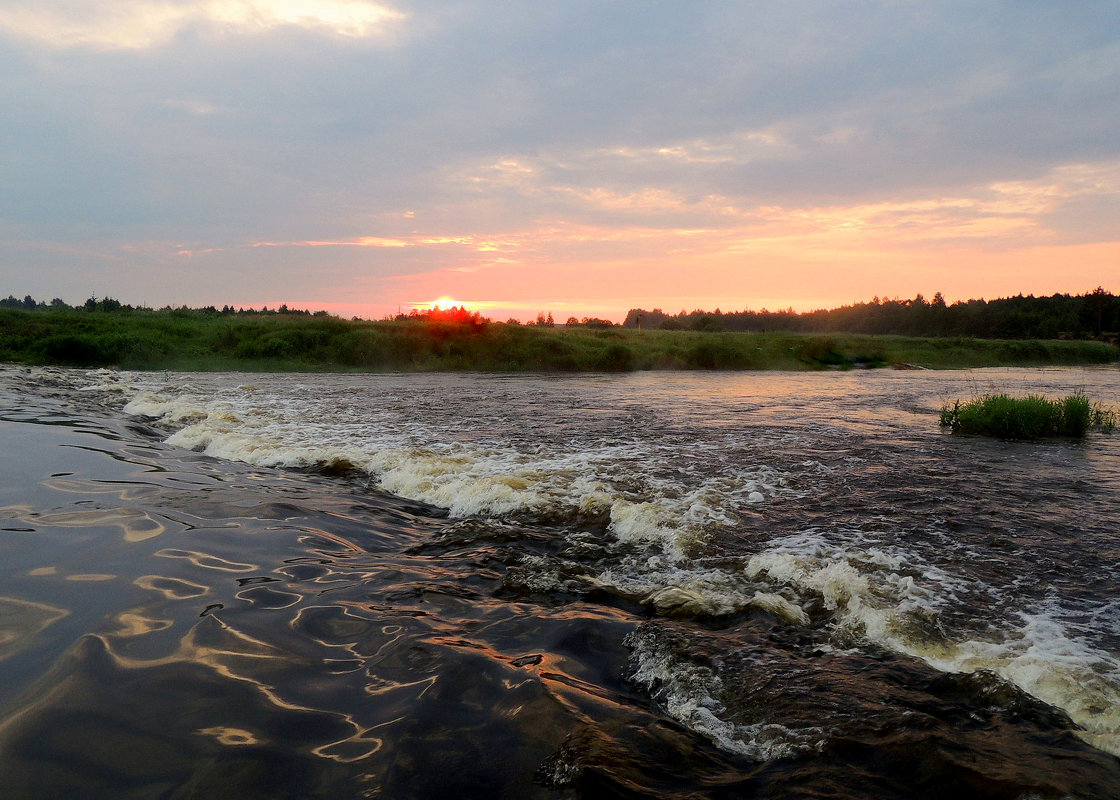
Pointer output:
x,y
673,585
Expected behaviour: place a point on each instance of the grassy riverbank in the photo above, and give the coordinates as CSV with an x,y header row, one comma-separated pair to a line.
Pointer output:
x,y
197,340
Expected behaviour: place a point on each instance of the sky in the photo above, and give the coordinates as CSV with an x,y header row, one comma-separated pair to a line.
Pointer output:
x,y
579,158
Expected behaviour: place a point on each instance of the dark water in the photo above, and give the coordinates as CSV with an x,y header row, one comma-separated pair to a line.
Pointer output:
x,y
666,585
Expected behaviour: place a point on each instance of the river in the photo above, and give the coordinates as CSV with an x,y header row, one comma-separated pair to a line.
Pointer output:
x,y
679,585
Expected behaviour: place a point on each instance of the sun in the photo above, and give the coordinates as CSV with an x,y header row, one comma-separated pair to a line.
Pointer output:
x,y
444,303
446,306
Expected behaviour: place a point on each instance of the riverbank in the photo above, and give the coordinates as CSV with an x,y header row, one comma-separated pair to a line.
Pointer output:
x,y
189,340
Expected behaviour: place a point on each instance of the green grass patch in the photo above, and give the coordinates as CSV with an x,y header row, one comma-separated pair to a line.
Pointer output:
x,y
1030,417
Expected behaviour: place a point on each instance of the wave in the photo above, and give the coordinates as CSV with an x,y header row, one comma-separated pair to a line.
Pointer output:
x,y
622,482
689,693
897,600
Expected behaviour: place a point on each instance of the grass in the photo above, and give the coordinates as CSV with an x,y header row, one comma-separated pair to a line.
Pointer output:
x,y
1030,417
197,340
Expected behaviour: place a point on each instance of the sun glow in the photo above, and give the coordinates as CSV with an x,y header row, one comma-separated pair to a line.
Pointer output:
x,y
444,303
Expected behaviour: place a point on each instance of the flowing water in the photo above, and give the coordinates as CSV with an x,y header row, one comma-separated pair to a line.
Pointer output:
x,y
649,585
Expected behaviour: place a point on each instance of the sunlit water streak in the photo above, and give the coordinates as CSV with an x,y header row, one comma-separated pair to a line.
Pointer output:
x,y
655,584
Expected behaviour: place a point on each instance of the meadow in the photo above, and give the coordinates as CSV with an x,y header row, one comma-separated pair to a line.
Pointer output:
x,y
186,339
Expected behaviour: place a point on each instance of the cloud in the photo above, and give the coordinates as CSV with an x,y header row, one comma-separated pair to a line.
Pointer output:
x,y
364,241
139,24
364,141
738,147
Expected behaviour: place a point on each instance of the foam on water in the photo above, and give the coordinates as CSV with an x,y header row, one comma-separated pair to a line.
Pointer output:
x,y
1046,658
870,590
623,479
104,380
676,589
689,693
896,600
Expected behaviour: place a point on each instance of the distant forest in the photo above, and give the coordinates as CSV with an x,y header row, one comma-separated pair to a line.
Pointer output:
x,y
108,304
1093,315
104,332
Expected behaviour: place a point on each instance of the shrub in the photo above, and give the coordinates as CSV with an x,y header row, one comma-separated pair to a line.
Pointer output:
x,y
820,352
716,353
71,349
617,357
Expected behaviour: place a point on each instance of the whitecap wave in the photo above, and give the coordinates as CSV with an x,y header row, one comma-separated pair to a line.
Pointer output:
x,y
689,692
896,600
622,481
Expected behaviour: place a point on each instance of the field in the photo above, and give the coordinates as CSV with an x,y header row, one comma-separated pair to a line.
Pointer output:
x,y
199,340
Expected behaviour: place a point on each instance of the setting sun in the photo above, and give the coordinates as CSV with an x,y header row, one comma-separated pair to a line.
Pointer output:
x,y
444,303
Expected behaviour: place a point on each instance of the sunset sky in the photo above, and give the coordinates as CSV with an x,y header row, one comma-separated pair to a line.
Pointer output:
x,y
581,158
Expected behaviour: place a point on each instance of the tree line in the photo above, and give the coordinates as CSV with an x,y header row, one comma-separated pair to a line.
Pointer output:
x,y
109,304
1095,314
107,333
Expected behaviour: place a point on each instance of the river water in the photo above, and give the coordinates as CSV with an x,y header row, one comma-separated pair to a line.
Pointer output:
x,y
772,585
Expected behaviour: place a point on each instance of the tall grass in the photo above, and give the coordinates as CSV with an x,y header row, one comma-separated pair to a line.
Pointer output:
x,y
1030,417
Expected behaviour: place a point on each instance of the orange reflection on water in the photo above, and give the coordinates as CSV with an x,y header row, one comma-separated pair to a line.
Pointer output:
x,y
236,655
172,588
136,525
206,561
231,737
133,624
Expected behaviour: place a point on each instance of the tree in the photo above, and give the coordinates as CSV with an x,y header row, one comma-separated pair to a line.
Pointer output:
x,y
1097,301
707,322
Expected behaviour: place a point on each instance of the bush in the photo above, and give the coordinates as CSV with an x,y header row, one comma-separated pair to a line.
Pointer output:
x,y
617,357
1030,417
71,349
713,353
821,352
